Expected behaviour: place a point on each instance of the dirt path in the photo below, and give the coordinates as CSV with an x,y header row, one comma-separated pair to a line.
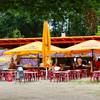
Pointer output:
x,y
45,90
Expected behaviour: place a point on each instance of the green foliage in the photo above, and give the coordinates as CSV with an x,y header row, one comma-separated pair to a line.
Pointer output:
x,y
27,16
98,31
15,34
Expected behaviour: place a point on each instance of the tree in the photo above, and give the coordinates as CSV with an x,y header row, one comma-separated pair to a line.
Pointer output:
x,y
75,17
98,32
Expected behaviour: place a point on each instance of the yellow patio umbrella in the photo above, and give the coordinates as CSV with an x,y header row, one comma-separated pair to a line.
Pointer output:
x,y
46,44
84,47
31,48
5,58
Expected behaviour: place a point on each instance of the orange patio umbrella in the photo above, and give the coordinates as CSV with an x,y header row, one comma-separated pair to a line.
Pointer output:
x,y
46,44
85,47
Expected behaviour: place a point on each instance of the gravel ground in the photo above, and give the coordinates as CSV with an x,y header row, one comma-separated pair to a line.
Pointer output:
x,y
46,90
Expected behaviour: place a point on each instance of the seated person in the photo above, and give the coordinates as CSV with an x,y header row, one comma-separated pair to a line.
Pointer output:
x,y
56,68
61,66
78,64
12,65
26,66
97,64
41,65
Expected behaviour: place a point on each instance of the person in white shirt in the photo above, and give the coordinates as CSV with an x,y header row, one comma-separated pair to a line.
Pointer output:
x,y
20,68
20,73
56,68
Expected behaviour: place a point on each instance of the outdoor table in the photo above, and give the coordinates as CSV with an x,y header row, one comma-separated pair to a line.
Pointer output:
x,y
96,75
32,73
57,75
61,75
77,73
66,75
85,72
8,75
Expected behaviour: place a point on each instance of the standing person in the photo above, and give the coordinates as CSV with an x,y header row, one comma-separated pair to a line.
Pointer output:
x,y
20,73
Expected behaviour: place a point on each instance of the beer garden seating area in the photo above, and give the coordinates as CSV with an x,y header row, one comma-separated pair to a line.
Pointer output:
x,y
75,70
53,76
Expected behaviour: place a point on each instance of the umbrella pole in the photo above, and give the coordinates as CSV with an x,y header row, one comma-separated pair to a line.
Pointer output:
x,y
46,76
38,60
56,59
92,66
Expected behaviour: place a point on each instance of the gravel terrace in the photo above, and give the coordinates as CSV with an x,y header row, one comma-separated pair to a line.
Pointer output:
x,y
45,90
